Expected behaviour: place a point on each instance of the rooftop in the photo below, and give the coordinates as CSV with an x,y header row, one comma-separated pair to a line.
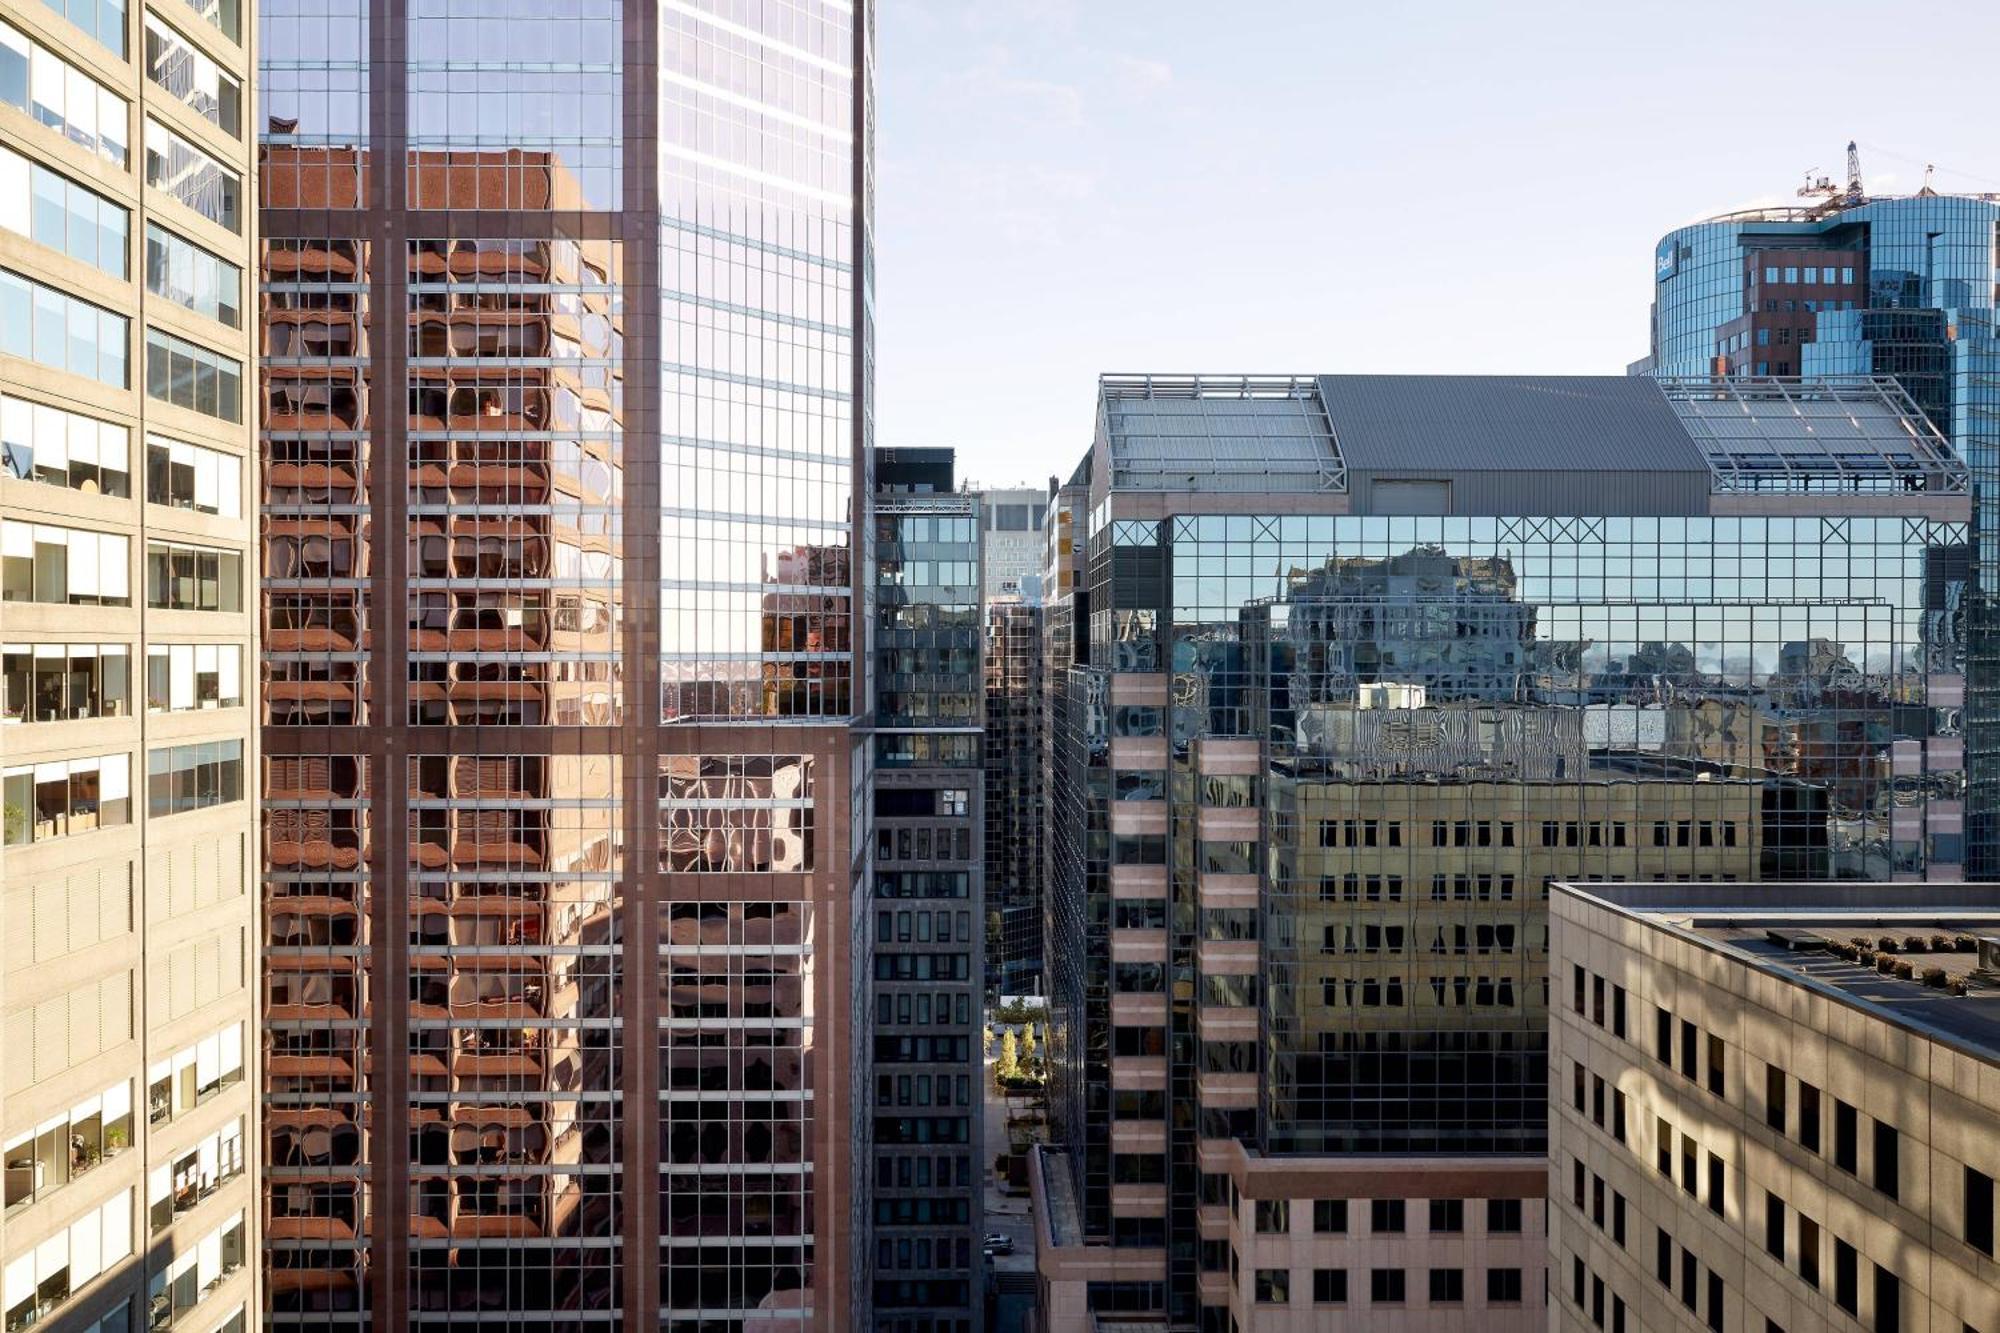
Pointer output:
x,y
1837,434
1235,433
1832,211
1297,434
1811,934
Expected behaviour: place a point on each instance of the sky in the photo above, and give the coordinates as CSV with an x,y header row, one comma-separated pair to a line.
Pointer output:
x,y
1066,188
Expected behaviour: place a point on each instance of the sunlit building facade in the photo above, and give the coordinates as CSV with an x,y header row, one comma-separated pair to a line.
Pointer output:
x,y
1372,662
1772,1107
565,418
128,964
1867,285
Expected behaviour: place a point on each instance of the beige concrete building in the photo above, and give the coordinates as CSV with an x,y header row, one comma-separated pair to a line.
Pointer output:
x,y
127,745
1397,1244
1773,1107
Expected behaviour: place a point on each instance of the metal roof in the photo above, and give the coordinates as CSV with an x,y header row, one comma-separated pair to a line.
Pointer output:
x,y
1246,434
1838,434
1505,423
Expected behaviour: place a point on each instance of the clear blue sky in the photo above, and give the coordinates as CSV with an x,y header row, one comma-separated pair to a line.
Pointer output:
x,y
1073,186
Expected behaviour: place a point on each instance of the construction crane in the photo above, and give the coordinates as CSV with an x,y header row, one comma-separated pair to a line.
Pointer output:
x,y
1835,197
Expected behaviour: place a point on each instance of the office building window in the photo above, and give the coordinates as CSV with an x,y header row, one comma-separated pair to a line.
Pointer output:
x,y
66,796
182,272
187,75
63,566
189,476
190,175
1979,1210
1888,1301
1846,1137
60,682
193,578
180,373
1888,1169
54,329
193,777
62,97
188,677
58,447
51,209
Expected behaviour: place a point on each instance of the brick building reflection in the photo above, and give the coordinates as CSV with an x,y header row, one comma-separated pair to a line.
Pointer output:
x,y
505,954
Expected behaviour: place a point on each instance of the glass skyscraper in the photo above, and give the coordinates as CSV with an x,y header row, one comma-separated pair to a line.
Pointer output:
x,y
1367,663
925,950
1903,287
566,423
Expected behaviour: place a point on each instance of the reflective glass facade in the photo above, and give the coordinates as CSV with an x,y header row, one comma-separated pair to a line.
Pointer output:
x,y
1014,793
562,419
927,919
1893,286
1319,768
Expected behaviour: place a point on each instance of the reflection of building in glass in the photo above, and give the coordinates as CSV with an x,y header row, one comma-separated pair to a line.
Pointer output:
x,y
564,412
1011,532
1760,1114
1371,662
1012,551
128,749
1864,285
928,914
1014,796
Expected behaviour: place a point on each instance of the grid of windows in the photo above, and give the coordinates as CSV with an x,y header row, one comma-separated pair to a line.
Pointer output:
x,y
189,174
516,480
50,444
64,566
52,328
1585,607
193,476
314,415
66,796
193,578
488,125
187,75
190,276
186,375
51,209
62,97
181,778
57,682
